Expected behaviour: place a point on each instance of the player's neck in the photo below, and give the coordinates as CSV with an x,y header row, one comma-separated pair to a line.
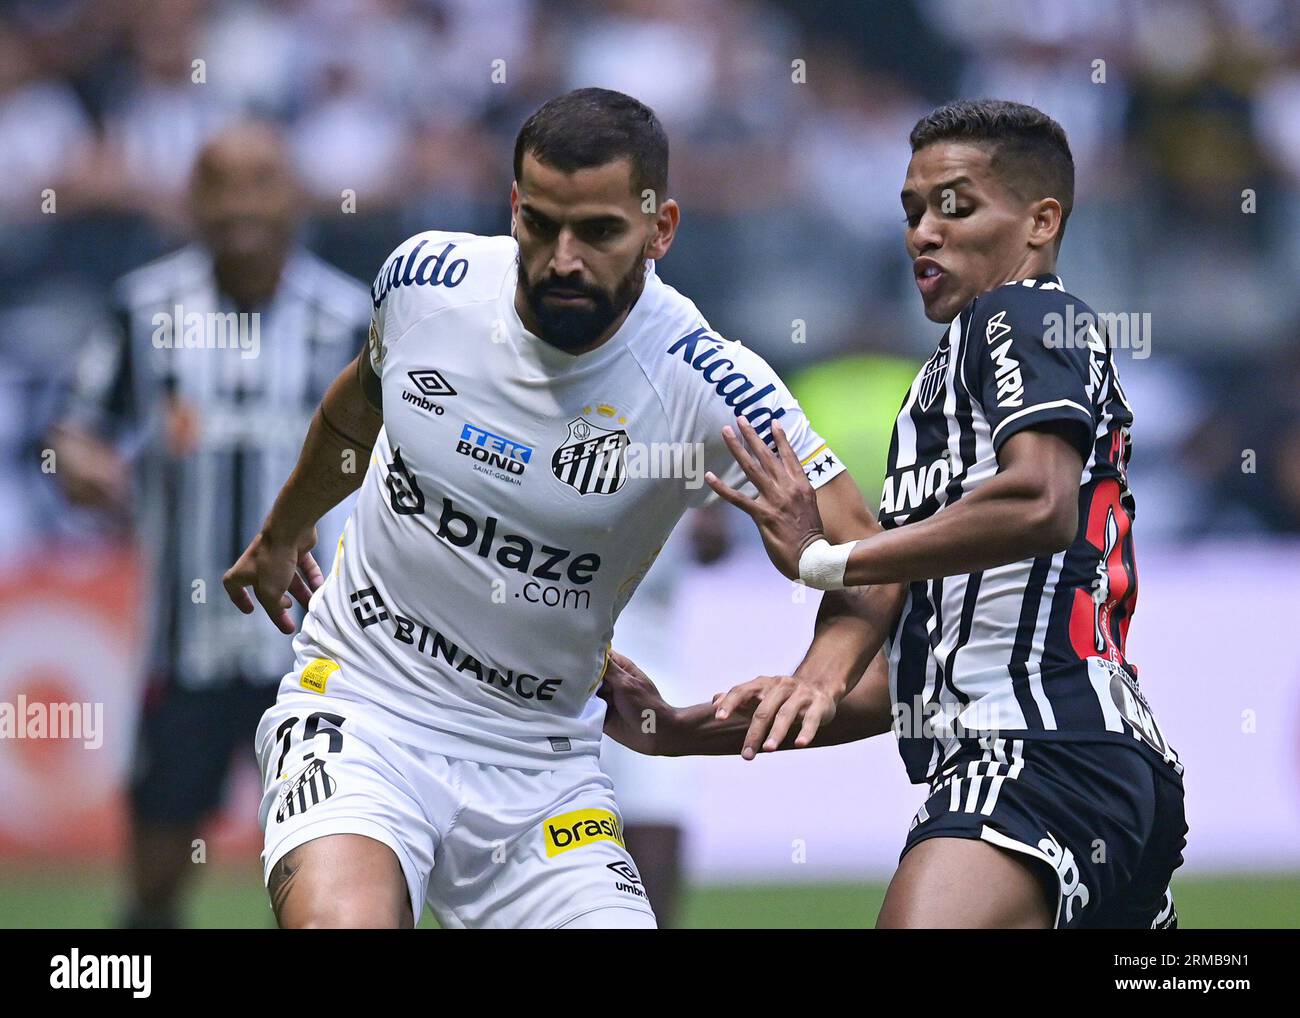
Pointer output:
x,y
1033,265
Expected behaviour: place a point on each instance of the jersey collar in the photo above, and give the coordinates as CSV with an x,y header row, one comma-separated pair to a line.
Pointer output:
x,y
1046,281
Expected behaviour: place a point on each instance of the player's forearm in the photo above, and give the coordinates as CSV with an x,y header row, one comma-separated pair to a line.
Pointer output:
x,y
333,458
852,624
851,627
864,712
696,731
1006,520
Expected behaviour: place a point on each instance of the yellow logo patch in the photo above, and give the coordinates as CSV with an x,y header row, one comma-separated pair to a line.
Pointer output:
x,y
581,827
317,674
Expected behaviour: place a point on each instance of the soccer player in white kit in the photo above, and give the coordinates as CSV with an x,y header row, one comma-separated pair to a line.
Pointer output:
x,y
518,399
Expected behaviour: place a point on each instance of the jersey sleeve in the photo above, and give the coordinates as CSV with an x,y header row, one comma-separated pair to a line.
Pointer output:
x,y
412,265
1021,371
739,383
375,348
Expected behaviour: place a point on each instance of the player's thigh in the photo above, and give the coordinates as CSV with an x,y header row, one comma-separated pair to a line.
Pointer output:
x,y
340,881
348,839
537,850
962,883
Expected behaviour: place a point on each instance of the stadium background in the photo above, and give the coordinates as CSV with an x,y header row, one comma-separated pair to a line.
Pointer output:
x,y
788,123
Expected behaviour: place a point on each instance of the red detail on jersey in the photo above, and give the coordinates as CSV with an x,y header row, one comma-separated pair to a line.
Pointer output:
x,y
1130,602
1108,529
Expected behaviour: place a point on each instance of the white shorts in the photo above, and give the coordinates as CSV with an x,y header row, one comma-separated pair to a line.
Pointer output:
x,y
485,846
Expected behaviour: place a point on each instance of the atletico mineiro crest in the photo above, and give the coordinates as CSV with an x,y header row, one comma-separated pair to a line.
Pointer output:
x,y
592,460
934,374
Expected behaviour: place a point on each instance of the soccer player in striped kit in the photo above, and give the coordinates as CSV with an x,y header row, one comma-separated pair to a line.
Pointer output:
x,y
200,389
1006,529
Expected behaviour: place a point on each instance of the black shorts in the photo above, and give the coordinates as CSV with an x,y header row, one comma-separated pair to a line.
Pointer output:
x,y
186,743
1105,821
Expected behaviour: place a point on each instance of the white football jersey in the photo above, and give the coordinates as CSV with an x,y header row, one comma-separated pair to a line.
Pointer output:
x,y
515,497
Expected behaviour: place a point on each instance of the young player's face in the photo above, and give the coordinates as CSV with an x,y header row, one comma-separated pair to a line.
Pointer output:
x,y
967,232
583,241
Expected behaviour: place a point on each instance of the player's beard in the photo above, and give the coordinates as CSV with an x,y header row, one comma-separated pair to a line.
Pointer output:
x,y
573,328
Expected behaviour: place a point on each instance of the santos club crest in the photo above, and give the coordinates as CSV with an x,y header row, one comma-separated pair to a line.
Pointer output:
x,y
592,460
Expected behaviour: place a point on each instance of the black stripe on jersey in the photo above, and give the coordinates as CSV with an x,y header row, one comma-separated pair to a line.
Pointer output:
x,y
910,683
168,593
935,595
170,472
121,399
588,470
1025,639
239,467
965,425
968,604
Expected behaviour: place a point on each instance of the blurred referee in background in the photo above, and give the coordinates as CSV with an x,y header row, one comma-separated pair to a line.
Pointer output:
x,y
195,424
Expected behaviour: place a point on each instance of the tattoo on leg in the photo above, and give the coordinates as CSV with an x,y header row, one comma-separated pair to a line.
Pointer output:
x,y
281,881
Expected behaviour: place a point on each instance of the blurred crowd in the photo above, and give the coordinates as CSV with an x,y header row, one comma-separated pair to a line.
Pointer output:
x,y
788,123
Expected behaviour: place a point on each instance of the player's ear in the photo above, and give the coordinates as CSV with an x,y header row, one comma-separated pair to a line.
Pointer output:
x,y
1046,224
514,206
667,216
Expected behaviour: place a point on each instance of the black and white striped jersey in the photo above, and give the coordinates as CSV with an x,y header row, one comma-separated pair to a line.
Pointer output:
x,y
1036,647
212,405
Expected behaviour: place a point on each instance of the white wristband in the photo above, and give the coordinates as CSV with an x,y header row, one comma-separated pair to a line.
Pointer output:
x,y
822,564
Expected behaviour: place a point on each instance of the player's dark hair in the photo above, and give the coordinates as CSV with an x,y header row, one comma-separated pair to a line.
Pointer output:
x,y
594,126
1031,153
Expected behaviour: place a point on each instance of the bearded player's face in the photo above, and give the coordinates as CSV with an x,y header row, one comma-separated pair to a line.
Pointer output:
x,y
583,241
967,232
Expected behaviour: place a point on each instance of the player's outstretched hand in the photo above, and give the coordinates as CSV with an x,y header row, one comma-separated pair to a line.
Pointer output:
x,y
634,705
774,704
274,571
786,507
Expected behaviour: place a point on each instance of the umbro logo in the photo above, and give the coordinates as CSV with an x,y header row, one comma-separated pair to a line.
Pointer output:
x,y
430,383
627,880
624,870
